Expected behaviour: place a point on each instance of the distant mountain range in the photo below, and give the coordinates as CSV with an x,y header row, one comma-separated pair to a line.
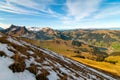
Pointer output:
x,y
98,37
36,33
114,28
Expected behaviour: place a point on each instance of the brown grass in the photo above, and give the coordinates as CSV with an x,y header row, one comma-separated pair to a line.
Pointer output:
x,y
33,69
43,75
2,53
18,65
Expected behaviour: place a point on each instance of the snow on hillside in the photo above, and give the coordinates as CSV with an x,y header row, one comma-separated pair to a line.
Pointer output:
x,y
20,60
7,74
4,48
14,41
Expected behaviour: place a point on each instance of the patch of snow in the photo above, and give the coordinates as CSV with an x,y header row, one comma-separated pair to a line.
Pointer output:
x,y
53,54
57,65
7,74
46,51
109,77
14,41
53,76
27,62
30,52
22,55
32,60
48,67
64,70
13,29
4,48
26,75
45,62
25,43
38,57
39,72
93,76
10,47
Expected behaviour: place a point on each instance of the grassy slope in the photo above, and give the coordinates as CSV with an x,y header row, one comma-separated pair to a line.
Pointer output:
x,y
112,68
66,50
116,46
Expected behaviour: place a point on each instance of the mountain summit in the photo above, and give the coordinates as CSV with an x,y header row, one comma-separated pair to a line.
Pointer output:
x,y
16,30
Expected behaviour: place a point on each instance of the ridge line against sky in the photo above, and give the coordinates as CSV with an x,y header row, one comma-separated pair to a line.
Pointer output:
x,y
60,14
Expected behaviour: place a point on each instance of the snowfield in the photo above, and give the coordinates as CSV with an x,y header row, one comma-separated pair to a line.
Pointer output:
x,y
49,64
4,48
7,74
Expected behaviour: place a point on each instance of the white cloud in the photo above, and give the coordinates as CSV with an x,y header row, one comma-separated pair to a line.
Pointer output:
x,y
4,25
53,13
109,11
26,6
41,5
80,9
8,7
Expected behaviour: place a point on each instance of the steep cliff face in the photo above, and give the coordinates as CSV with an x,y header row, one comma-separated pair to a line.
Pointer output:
x,y
16,30
19,31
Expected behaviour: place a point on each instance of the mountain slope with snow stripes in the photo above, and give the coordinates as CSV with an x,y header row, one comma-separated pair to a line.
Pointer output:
x,y
20,60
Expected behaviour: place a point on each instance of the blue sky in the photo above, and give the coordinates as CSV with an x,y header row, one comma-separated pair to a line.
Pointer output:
x,y
60,14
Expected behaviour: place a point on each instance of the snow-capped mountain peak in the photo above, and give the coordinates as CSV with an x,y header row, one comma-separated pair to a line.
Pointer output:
x,y
38,28
34,28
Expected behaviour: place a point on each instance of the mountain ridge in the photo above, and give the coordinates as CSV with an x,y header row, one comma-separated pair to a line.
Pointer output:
x,y
97,37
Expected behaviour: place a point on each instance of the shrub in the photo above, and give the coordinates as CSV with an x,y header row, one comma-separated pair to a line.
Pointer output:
x,y
80,56
33,69
77,51
43,75
76,43
4,40
2,53
64,77
112,62
18,65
